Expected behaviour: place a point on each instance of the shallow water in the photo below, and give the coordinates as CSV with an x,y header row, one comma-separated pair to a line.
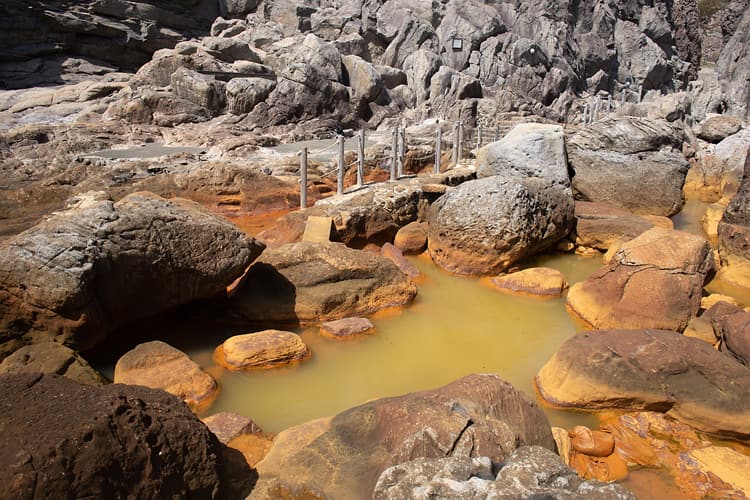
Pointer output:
x,y
456,326
689,219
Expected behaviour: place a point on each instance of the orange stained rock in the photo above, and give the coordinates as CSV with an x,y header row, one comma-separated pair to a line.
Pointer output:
x,y
592,443
607,469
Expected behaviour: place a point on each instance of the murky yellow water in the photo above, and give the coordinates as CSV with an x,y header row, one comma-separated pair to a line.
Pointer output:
x,y
456,326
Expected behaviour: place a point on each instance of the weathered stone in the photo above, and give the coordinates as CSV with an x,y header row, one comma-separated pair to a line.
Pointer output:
x,y
599,225
479,415
265,349
52,358
243,94
537,281
734,331
347,327
640,57
718,169
419,67
714,463
85,271
227,426
733,67
65,438
521,476
412,238
653,370
160,366
653,281
306,281
716,128
364,79
395,255
203,90
593,443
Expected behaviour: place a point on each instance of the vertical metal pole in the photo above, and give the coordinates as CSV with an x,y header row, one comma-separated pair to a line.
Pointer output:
x,y
340,180
454,159
361,159
460,141
303,179
595,111
401,151
394,154
438,144
622,97
585,114
640,93
479,137
497,134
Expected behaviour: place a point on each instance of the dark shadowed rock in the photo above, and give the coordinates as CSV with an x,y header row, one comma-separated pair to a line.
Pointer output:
x,y
62,439
654,370
477,416
307,281
529,472
160,366
653,281
83,272
52,358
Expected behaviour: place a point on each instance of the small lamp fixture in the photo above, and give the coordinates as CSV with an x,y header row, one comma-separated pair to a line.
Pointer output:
x,y
457,43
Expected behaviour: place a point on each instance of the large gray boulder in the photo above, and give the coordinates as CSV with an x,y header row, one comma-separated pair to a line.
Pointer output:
x,y
243,94
633,163
734,67
640,57
364,79
419,68
521,205
484,226
203,90
83,272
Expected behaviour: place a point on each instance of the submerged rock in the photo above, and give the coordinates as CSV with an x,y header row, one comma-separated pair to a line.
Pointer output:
x,y
264,349
652,281
68,439
599,225
412,238
541,281
83,272
160,366
476,416
303,282
346,327
653,370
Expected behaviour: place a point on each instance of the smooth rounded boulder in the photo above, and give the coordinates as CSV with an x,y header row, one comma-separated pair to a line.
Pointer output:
x,y
343,456
652,281
160,366
62,439
599,225
85,271
654,370
307,282
264,349
51,357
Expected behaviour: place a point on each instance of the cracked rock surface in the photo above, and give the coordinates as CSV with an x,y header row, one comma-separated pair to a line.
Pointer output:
x,y
653,281
343,456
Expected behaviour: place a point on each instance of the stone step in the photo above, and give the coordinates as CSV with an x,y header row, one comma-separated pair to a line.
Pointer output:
x,y
318,229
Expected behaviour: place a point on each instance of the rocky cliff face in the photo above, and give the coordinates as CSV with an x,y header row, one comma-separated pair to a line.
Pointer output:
x,y
362,60
54,41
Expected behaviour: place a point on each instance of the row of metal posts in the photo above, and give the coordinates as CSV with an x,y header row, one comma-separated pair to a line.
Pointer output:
x,y
591,115
398,150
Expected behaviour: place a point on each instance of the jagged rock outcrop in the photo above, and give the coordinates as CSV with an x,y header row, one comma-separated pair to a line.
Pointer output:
x,y
58,41
734,66
85,271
